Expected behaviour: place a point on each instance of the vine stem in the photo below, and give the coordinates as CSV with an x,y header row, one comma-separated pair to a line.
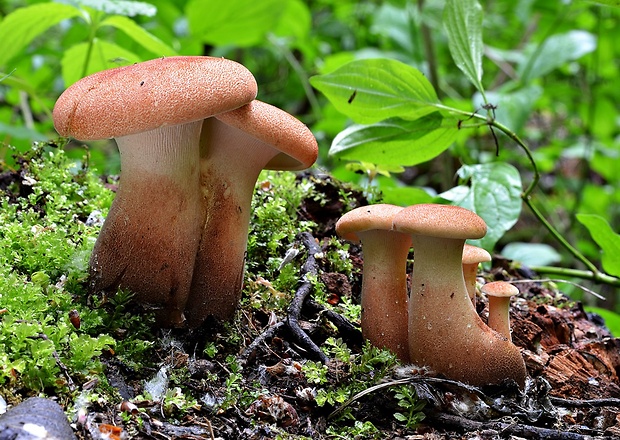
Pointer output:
x,y
593,273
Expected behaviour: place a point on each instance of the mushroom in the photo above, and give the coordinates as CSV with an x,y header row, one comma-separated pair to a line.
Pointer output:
x,y
235,147
445,332
384,281
499,294
472,257
154,110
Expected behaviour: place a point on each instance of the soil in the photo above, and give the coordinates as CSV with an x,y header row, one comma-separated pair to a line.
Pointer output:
x,y
572,360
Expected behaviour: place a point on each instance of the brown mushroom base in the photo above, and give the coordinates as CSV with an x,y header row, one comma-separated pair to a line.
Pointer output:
x,y
153,259
445,333
220,262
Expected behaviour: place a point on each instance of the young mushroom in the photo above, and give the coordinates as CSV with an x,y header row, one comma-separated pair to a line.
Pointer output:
x,y
472,257
384,281
234,147
445,332
499,294
154,110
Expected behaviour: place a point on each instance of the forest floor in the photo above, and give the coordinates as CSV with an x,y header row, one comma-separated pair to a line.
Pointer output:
x,y
573,364
303,371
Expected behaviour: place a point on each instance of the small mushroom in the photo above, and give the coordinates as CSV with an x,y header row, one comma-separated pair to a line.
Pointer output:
x,y
154,110
472,257
445,332
234,147
499,294
384,281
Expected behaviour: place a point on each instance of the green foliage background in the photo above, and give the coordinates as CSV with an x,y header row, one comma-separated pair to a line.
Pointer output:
x,y
399,83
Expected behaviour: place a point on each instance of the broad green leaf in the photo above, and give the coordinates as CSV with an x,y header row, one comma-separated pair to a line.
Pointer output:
x,y
145,39
612,319
240,22
120,7
531,254
396,141
494,193
606,238
462,21
372,90
104,55
405,196
295,21
23,25
554,52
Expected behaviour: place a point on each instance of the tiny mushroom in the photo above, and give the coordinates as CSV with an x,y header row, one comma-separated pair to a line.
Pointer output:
x,y
445,332
235,147
154,110
472,257
384,282
499,294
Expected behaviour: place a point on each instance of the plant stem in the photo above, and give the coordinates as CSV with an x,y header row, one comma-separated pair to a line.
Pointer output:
x,y
582,274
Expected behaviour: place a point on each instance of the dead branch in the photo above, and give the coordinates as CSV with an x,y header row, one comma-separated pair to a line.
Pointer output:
x,y
349,332
588,403
250,349
309,269
516,429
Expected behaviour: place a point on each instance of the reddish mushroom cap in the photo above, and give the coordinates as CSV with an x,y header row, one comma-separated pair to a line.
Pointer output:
x,y
275,127
475,255
499,289
366,218
156,93
446,221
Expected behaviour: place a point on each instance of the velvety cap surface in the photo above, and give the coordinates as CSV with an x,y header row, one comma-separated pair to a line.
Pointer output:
x,y
366,218
444,221
475,255
156,93
500,289
279,129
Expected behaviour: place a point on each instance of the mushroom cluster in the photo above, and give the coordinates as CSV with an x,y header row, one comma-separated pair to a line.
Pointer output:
x,y
192,141
443,330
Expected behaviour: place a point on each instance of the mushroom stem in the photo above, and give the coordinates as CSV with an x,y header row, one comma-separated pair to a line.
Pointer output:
x,y
153,258
472,257
230,162
499,315
384,290
445,332
499,293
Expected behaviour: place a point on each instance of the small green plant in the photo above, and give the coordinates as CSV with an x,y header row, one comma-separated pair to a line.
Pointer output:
x,y
412,407
359,430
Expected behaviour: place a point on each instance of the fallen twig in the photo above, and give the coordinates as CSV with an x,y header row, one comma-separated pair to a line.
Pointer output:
x,y
347,330
309,268
517,429
250,349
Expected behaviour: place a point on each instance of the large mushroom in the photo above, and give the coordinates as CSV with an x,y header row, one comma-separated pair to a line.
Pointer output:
x,y
154,110
445,333
235,147
384,281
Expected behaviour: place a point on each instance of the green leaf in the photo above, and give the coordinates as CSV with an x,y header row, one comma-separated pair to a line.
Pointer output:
x,y
371,90
405,195
147,40
104,56
606,238
494,193
554,52
120,7
531,254
295,21
241,22
23,25
462,21
396,141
